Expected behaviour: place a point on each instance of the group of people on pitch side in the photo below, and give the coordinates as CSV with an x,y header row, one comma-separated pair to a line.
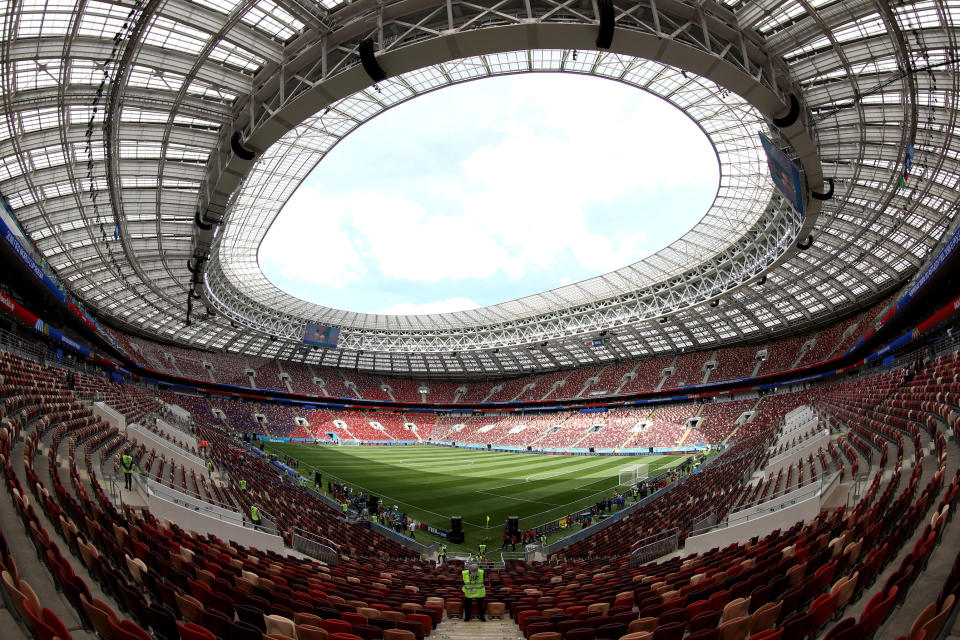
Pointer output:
x,y
525,538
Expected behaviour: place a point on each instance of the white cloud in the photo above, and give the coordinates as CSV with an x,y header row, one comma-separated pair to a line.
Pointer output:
x,y
523,202
440,306
307,243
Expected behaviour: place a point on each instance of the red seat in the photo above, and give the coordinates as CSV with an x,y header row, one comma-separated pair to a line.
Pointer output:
x,y
872,618
192,631
425,620
336,626
696,608
353,618
823,608
672,631
127,630
42,630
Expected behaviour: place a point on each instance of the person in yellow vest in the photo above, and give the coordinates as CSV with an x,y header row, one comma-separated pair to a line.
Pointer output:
x,y
126,463
255,516
243,485
473,591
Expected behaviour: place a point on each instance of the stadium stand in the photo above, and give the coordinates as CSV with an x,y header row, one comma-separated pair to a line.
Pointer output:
x,y
648,374
645,375
734,363
151,586
147,149
266,374
688,370
301,378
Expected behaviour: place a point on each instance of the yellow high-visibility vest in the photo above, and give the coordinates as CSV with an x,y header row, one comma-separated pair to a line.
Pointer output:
x,y
473,585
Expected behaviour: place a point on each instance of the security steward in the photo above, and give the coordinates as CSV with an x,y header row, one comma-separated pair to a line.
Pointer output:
x,y
126,463
243,485
442,556
255,516
473,591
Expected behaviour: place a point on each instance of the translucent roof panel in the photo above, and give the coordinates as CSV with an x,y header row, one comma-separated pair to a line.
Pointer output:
x,y
729,122
114,122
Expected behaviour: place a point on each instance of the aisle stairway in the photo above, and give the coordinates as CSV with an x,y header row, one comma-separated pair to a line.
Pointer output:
x,y
492,629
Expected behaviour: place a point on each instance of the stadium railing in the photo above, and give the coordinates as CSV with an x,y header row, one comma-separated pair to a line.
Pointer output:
x,y
410,543
771,504
194,502
507,556
653,547
705,520
315,546
603,524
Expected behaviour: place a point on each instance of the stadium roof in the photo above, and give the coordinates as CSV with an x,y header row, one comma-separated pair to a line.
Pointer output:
x,y
128,130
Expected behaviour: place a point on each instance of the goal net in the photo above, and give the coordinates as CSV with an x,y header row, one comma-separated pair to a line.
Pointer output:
x,y
629,476
347,442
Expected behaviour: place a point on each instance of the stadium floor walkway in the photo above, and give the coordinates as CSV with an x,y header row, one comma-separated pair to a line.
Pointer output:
x,y
457,629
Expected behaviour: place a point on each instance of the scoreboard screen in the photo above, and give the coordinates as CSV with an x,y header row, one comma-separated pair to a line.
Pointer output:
x,y
321,336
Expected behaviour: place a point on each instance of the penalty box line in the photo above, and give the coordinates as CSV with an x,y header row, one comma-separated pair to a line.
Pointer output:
x,y
499,495
386,498
583,499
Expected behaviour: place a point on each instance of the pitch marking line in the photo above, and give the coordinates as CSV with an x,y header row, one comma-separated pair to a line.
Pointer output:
x,y
490,493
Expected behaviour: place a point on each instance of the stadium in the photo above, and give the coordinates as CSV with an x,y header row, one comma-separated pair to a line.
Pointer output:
x,y
616,411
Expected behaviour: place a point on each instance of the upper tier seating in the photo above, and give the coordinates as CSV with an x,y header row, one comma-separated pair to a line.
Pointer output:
x,y
732,363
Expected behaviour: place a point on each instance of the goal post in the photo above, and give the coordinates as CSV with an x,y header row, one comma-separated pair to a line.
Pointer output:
x,y
349,442
631,475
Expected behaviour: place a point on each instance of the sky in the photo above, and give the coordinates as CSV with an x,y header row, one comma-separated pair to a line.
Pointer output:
x,y
488,191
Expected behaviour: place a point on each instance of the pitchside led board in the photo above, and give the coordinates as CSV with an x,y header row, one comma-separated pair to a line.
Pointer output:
x,y
321,336
784,173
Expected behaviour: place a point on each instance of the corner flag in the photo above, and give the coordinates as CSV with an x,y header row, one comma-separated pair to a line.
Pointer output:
x,y
488,521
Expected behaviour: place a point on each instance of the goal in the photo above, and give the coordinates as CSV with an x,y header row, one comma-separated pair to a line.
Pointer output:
x,y
348,442
629,476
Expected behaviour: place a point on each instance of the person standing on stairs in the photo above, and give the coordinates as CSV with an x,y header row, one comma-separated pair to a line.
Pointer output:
x,y
473,591
126,463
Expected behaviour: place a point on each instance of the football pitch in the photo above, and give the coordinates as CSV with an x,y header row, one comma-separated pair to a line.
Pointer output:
x,y
431,484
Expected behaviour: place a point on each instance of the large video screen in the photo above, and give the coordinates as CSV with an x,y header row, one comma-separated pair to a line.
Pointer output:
x,y
784,173
321,336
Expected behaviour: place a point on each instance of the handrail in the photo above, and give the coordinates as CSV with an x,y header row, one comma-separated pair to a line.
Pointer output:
x,y
654,546
783,492
803,443
316,536
140,429
784,500
152,486
308,543
410,543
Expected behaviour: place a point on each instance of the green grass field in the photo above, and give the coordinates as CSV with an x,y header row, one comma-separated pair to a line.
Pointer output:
x,y
432,483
